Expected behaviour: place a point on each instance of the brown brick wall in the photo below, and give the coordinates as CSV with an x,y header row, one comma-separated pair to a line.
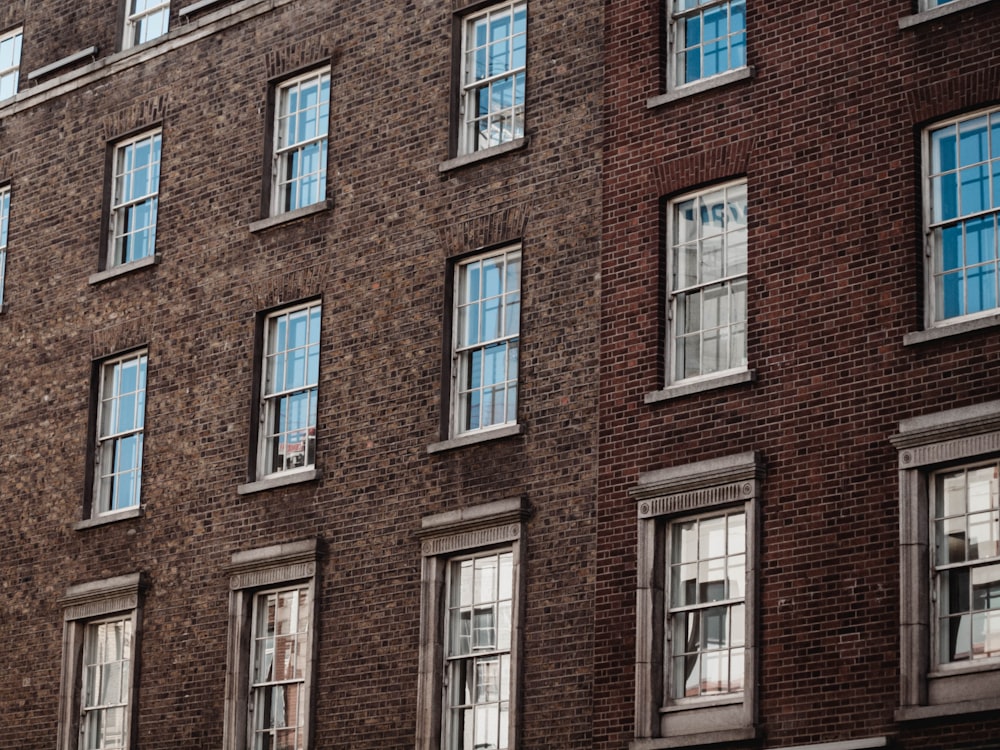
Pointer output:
x,y
378,259
827,135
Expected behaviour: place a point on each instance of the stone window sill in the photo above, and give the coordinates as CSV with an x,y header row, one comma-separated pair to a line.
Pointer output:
x,y
479,437
916,713
706,84
953,329
932,14
290,216
279,480
124,269
710,384
65,62
700,704
489,153
864,744
700,738
106,518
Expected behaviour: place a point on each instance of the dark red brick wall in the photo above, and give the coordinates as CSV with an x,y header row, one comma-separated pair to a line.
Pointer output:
x,y
827,134
378,259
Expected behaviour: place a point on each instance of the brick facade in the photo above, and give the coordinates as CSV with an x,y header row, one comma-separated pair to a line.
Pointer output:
x,y
378,259
825,125
827,134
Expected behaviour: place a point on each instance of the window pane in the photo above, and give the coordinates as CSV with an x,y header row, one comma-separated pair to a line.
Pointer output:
x,y
944,150
967,515
493,58
488,321
708,327
981,291
136,183
119,449
972,141
964,184
975,193
279,665
302,128
479,632
291,374
707,41
707,568
105,690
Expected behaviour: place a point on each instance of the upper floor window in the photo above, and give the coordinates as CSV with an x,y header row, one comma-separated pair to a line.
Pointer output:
x,y
290,381
4,221
301,131
707,262
136,182
144,20
494,45
705,38
962,204
485,341
120,417
10,63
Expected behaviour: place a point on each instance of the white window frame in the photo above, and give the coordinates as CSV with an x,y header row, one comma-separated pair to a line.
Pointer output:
x,y
448,539
255,574
727,652
145,20
287,179
127,203
272,397
963,527
4,229
928,446
265,688
481,665
10,62
936,182
468,348
110,438
98,713
678,12
668,497
504,122
86,607
734,281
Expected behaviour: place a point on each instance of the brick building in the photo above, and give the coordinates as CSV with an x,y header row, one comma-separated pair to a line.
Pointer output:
x,y
797,519
299,376
507,374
